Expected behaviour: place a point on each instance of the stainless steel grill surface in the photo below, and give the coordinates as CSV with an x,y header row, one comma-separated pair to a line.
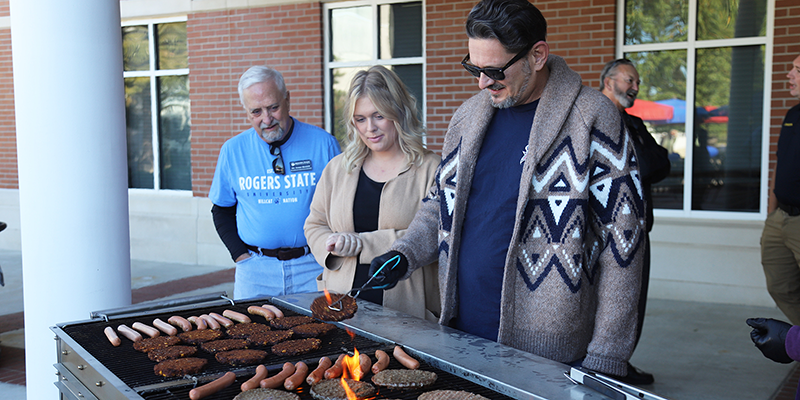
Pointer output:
x,y
89,367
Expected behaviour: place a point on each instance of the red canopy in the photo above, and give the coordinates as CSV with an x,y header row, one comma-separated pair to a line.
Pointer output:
x,y
650,111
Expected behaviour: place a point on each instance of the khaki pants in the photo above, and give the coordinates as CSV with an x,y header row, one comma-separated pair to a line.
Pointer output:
x,y
780,257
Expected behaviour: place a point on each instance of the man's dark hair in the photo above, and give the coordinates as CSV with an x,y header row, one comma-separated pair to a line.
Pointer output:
x,y
517,24
611,68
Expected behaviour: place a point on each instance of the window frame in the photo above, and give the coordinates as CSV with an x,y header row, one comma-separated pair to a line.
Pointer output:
x,y
153,73
375,60
691,45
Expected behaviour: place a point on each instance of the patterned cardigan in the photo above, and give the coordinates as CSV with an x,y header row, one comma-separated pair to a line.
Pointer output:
x,y
573,268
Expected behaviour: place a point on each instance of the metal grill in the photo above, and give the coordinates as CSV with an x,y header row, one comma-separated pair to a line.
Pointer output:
x,y
136,370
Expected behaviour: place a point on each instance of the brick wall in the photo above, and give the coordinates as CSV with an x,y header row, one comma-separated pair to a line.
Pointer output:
x,y
580,31
786,47
222,45
8,131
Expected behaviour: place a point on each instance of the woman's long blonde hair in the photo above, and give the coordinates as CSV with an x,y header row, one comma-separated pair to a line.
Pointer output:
x,y
393,100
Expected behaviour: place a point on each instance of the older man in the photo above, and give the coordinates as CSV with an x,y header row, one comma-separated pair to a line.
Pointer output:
x,y
619,81
535,215
780,241
262,188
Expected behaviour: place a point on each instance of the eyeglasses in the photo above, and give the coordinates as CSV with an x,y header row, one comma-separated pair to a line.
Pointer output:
x,y
277,163
496,74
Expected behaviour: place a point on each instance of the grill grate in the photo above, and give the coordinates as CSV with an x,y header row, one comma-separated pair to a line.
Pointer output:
x,y
445,381
136,370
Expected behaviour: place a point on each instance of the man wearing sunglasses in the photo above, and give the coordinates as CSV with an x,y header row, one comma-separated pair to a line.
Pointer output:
x,y
536,216
262,190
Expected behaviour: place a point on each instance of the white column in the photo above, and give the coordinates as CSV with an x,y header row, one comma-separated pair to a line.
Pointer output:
x,y
71,149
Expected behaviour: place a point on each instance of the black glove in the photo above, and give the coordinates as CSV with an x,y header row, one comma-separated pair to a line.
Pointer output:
x,y
769,335
395,266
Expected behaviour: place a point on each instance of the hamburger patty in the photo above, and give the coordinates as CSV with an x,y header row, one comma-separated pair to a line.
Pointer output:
x,y
296,347
243,331
241,357
266,394
269,338
320,309
158,342
215,346
315,329
450,395
290,322
404,378
200,336
180,367
331,389
171,353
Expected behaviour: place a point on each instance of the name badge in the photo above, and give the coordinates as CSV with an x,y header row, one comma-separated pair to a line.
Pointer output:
x,y
300,166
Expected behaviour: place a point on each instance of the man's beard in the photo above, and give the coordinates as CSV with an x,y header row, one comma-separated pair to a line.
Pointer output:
x,y
622,98
512,101
273,136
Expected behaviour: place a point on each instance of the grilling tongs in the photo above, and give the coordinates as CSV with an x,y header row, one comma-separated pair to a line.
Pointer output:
x,y
356,291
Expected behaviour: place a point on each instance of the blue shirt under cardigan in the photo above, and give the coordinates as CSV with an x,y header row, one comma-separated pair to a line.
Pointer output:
x,y
489,220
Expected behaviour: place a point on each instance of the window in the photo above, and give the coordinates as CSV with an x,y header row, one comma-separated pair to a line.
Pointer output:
x,y
366,33
702,67
156,73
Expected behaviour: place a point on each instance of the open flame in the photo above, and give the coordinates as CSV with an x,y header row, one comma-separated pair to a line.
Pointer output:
x,y
328,296
351,368
352,336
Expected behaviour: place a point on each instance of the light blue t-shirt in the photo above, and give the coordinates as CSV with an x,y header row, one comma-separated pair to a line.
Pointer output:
x,y
270,208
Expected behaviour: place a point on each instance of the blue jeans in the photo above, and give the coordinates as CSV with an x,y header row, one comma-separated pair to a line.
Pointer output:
x,y
262,276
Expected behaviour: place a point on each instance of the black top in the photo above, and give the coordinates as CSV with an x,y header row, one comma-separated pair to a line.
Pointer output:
x,y
489,220
787,170
366,206
651,158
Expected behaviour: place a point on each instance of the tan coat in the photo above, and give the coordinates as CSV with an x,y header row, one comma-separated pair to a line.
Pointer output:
x,y
332,211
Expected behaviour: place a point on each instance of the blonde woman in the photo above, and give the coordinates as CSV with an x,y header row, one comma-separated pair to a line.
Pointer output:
x,y
367,196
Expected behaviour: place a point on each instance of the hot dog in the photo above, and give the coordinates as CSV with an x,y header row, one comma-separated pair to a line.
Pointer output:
x,y
276,381
146,329
405,359
296,379
112,336
252,383
212,387
236,316
335,370
365,363
257,310
129,333
278,313
212,323
200,323
319,373
227,323
165,327
382,363
180,322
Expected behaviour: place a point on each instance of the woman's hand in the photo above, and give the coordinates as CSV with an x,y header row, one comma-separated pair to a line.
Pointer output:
x,y
344,244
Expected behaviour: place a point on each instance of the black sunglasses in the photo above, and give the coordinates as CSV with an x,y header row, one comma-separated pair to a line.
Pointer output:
x,y
496,74
277,163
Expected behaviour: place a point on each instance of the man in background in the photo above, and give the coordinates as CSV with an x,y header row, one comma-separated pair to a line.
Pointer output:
x,y
780,241
262,189
619,81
